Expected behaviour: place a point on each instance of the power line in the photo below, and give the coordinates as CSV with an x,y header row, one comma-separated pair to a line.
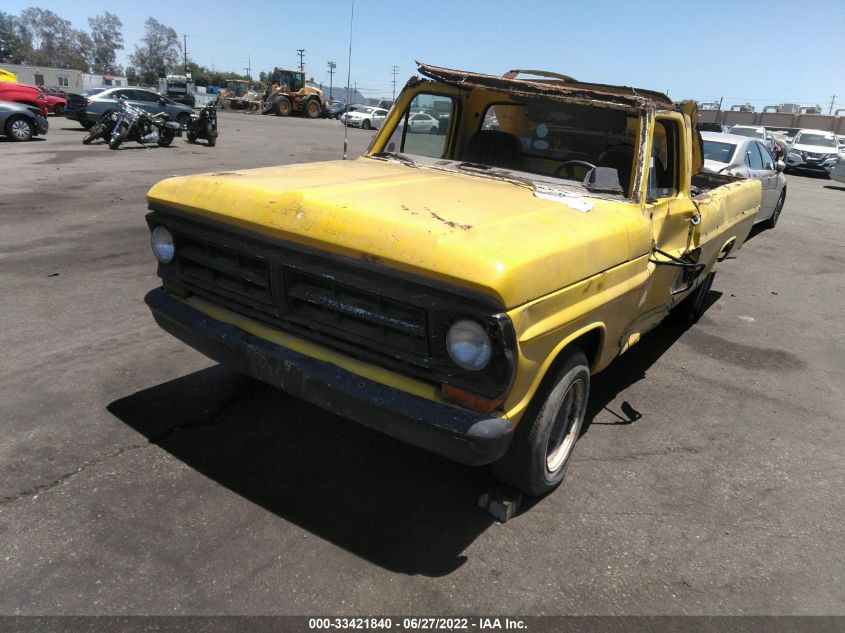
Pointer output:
x,y
301,53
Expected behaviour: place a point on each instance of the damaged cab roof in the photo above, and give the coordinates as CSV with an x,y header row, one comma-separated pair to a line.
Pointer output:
x,y
552,86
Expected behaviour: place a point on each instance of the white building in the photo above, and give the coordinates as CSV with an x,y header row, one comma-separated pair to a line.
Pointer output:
x,y
65,79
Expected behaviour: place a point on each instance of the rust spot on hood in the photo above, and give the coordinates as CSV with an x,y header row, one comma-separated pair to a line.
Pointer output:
x,y
454,225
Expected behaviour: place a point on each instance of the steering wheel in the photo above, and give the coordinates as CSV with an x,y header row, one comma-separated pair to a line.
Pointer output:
x,y
572,163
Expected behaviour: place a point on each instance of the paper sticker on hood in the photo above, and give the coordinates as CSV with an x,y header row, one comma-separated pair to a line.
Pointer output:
x,y
571,200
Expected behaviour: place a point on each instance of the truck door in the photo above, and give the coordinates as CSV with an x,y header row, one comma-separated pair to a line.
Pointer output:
x,y
673,217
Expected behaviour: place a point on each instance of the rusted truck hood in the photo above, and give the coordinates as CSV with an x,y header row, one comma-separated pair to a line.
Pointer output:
x,y
492,236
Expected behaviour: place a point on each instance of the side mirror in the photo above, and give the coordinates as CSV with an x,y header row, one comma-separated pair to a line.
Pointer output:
x,y
780,166
162,101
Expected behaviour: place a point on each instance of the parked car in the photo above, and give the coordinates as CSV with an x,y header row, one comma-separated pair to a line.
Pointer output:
x,y
838,171
747,157
334,109
813,150
88,110
56,100
754,131
22,93
20,122
423,123
366,118
713,127
840,140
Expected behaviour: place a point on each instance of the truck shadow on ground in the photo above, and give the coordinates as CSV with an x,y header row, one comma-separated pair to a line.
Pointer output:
x,y
396,506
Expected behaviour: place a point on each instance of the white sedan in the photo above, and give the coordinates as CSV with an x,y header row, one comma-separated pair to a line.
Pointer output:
x,y
423,123
366,118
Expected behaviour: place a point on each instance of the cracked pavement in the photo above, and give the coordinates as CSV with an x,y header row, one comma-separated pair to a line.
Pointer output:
x,y
138,477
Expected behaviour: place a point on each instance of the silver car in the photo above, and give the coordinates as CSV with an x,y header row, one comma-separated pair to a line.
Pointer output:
x,y
838,171
20,122
813,150
88,110
747,157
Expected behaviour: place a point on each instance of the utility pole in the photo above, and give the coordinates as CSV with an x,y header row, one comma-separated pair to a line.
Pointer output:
x,y
248,70
395,70
185,50
332,66
301,53
832,101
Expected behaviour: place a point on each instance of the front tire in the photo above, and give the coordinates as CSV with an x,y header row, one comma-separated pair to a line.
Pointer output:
x,y
19,129
544,439
87,124
209,135
366,124
59,109
283,107
312,109
118,136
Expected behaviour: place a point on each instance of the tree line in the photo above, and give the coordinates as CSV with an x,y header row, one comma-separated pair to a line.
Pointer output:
x,y
39,37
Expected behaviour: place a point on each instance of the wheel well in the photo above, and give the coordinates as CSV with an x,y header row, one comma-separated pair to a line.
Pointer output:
x,y
588,342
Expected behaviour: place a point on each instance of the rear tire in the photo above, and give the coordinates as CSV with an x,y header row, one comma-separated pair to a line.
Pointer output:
x,y
209,134
772,221
544,439
93,134
165,137
59,109
87,124
433,130
693,307
19,129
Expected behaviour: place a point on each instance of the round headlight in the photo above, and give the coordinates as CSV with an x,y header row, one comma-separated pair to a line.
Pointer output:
x,y
468,345
162,243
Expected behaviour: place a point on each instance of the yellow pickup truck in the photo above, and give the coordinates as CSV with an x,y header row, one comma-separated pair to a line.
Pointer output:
x,y
503,239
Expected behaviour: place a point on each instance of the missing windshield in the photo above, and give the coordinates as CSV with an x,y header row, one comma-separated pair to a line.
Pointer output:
x,y
591,145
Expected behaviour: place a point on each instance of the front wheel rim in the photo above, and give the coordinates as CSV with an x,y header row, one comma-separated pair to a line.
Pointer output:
x,y
20,130
567,425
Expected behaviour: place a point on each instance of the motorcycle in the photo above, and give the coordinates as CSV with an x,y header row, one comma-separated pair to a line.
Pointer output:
x,y
204,125
135,124
102,128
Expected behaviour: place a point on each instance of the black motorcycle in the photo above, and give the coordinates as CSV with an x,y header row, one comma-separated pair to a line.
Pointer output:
x,y
135,124
204,125
102,128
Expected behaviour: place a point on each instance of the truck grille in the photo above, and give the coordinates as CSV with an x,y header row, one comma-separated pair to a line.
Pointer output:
x,y
223,272
338,310
325,306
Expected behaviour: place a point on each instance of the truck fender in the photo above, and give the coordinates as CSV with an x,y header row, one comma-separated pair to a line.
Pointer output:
x,y
589,338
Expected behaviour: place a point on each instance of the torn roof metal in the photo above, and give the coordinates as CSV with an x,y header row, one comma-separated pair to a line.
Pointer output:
x,y
552,86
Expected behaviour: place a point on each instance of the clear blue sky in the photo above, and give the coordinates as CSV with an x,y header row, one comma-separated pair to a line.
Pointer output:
x,y
764,52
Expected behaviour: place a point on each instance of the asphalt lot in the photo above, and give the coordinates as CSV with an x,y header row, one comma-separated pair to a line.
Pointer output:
x,y
138,477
